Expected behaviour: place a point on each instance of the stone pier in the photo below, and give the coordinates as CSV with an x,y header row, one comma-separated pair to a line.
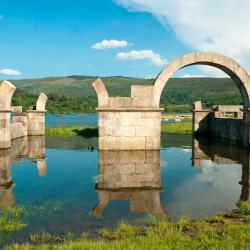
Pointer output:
x,y
128,123
14,123
36,116
7,90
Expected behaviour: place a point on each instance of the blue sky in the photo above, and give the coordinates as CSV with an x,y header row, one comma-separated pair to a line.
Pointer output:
x,y
52,38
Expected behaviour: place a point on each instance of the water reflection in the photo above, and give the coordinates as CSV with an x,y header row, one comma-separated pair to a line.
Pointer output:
x,y
32,148
224,154
130,175
130,184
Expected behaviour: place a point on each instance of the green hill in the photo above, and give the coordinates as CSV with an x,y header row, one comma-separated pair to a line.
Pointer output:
x,y
178,95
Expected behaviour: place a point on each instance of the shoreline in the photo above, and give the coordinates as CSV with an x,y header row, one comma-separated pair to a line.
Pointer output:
x,y
88,131
227,231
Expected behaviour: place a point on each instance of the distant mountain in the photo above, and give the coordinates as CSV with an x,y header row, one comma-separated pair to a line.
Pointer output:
x,y
177,91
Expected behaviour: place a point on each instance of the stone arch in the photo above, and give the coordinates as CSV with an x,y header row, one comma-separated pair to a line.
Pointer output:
x,y
41,102
226,64
7,90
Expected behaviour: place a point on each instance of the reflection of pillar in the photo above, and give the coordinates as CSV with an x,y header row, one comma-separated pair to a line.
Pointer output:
x,y
130,175
41,166
7,199
36,152
196,161
224,154
6,92
198,154
245,180
36,117
19,149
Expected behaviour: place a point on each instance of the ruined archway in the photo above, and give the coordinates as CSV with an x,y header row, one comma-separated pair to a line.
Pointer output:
x,y
228,65
133,123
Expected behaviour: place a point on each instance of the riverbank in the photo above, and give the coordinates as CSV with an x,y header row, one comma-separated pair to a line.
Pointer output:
x,y
88,131
229,231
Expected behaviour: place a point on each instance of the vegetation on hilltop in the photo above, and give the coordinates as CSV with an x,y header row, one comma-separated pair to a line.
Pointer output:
x,y
75,94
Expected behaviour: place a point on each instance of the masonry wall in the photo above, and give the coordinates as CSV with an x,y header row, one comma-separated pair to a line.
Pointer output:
x,y
227,128
129,130
213,123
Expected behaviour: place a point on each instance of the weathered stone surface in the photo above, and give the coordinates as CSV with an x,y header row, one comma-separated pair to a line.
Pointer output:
x,y
7,90
228,108
41,102
120,102
197,106
141,91
101,92
122,143
141,102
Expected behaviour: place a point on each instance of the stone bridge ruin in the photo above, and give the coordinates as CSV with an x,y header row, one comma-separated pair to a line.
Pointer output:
x,y
134,123
14,123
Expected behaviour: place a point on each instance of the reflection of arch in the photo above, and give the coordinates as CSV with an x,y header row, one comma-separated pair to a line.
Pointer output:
x,y
229,66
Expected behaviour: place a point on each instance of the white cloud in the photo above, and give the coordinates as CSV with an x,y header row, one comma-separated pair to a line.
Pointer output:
x,y
110,44
151,56
10,72
204,25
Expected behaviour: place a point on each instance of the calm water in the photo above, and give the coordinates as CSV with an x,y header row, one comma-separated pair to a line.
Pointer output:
x,y
66,185
55,120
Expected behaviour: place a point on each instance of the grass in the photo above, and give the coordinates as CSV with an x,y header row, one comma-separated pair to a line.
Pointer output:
x,y
182,127
69,131
229,231
10,221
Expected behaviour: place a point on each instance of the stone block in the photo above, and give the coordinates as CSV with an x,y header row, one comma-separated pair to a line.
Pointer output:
x,y
141,91
120,102
126,131
153,131
141,102
152,143
151,115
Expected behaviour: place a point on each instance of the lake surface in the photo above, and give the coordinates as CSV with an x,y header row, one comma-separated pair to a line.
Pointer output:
x,y
65,184
57,120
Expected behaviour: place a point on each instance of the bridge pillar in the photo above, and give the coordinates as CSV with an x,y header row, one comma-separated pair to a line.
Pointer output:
x,y
129,129
128,123
6,92
36,116
200,119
